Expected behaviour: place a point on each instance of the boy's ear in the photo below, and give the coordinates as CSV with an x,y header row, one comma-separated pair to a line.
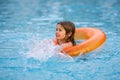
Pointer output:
x,y
69,34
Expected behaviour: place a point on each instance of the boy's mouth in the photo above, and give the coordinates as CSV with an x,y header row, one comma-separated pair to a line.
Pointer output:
x,y
57,35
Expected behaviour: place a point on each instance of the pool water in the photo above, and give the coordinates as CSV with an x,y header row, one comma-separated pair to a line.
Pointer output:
x,y
25,24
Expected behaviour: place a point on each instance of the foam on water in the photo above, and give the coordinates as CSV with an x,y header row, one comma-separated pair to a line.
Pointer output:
x,y
45,50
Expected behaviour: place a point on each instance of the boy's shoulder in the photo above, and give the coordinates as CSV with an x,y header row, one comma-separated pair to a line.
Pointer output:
x,y
65,45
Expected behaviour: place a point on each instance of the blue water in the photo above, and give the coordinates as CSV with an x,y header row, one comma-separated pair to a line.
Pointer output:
x,y
23,23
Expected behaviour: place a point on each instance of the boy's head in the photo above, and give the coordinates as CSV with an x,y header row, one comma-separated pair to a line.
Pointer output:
x,y
67,30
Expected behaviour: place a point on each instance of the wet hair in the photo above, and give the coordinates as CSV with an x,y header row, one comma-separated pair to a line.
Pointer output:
x,y
70,29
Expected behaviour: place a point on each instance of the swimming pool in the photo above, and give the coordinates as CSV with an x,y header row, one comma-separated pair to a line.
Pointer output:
x,y
25,22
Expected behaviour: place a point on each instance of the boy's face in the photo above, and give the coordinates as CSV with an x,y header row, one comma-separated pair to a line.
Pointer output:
x,y
60,32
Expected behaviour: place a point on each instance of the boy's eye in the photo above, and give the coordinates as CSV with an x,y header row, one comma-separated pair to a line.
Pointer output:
x,y
58,30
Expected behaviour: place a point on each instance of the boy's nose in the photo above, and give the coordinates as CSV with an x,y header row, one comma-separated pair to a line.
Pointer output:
x,y
57,32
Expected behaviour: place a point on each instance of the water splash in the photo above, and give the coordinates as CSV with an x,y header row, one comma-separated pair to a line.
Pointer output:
x,y
46,50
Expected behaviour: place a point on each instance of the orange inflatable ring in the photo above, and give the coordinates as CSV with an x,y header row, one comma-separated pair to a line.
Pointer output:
x,y
93,39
